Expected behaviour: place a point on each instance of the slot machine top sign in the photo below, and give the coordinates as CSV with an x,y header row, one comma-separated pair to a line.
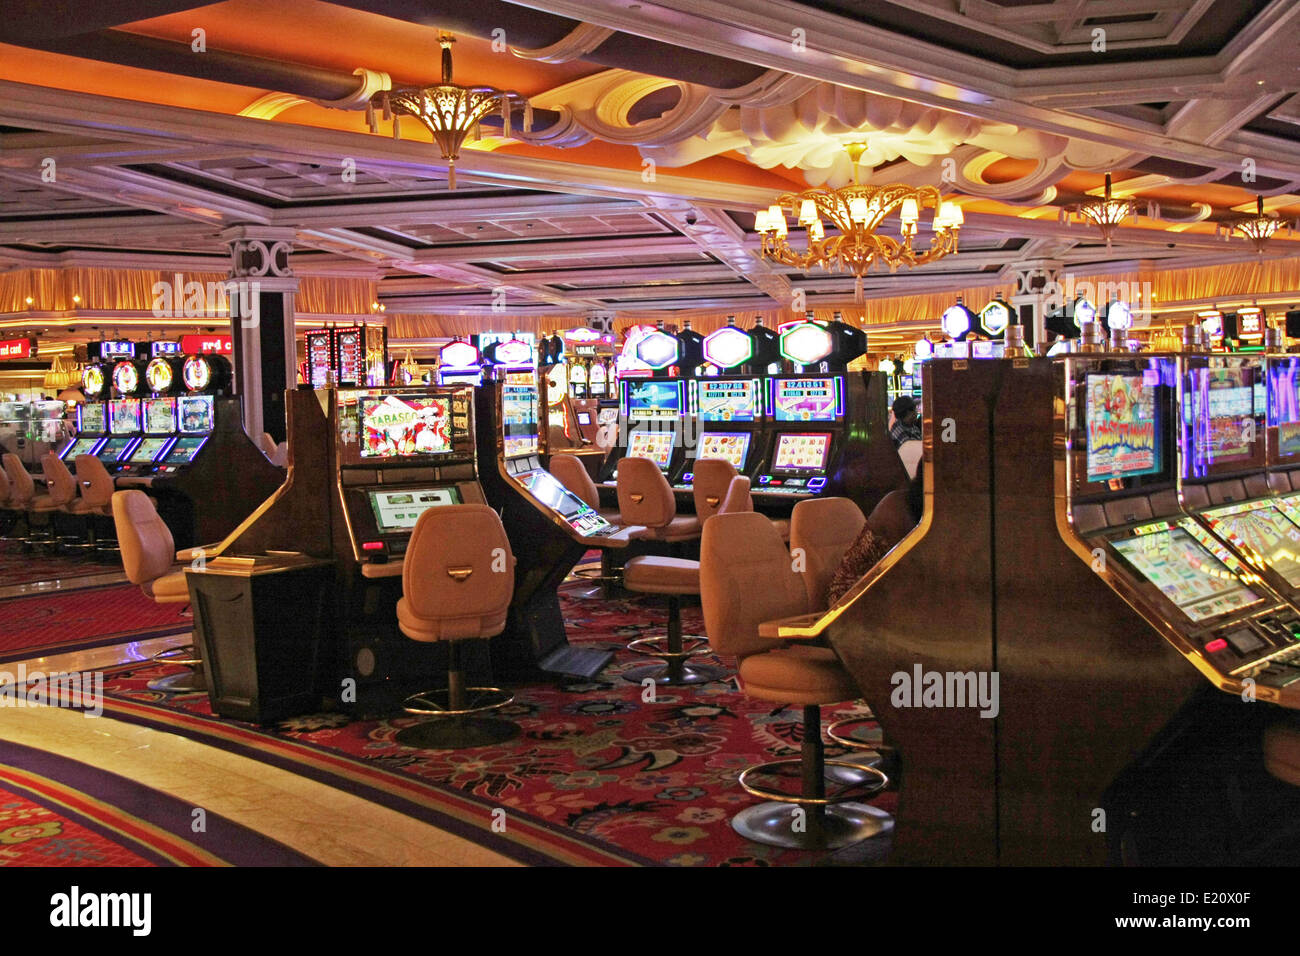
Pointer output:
x,y
658,349
458,355
956,322
728,347
995,317
197,373
159,375
92,381
805,343
126,378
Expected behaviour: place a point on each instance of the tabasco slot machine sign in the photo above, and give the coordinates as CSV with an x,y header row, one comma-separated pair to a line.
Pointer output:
x,y
16,348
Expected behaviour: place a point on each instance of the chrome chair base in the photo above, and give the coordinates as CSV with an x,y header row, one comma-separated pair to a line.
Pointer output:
x,y
818,828
458,733
191,681
667,675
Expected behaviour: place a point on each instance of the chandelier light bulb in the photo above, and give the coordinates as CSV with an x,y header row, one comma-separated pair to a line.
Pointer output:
x,y
807,212
911,213
858,209
815,231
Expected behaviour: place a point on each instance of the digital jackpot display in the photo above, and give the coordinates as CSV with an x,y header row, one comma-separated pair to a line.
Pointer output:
x,y
1175,560
806,399
397,426
1120,416
124,416
519,419
729,400
652,400
196,414
729,446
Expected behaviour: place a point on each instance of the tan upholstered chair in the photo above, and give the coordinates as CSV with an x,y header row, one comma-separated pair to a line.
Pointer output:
x,y
709,486
148,555
645,498
457,582
746,578
821,531
95,501
570,472
60,492
910,454
22,489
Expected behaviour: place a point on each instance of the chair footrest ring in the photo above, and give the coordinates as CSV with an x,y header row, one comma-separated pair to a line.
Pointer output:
x,y
874,782
853,743
479,700
642,645
169,656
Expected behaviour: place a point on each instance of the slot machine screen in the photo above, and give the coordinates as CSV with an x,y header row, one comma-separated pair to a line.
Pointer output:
x,y
79,446
1193,579
728,400
806,399
113,449
584,418
148,450
400,510
124,416
596,380
1260,529
577,513
657,446
652,400
90,418
196,414
1122,430
1222,416
801,452
159,416
185,450
405,426
519,419
730,446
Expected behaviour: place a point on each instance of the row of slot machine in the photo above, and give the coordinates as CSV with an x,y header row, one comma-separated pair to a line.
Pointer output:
x,y
150,415
776,404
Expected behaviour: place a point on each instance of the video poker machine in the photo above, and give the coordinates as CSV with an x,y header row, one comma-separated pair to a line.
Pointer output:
x,y
550,529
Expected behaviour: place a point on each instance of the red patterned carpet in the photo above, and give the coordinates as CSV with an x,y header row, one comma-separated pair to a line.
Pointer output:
x,y
19,568
599,776
90,617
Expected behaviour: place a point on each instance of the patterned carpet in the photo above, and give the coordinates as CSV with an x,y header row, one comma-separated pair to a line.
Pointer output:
x,y
89,617
598,776
19,568
58,812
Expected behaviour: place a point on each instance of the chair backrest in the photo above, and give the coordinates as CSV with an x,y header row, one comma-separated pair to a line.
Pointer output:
x,y
22,487
95,482
570,472
891,518
910,452
148,549
738,498
710,484
459,573
59,483
821,531
644,496
746,578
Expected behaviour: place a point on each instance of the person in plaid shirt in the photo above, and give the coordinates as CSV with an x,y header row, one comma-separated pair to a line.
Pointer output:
x,y
907,423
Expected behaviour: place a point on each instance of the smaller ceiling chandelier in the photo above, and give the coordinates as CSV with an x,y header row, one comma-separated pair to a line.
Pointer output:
x,y
855,211
450,112
1106,213
1259,228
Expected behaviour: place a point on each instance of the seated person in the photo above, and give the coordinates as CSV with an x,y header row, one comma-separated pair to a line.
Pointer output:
x,y
907,423
889,522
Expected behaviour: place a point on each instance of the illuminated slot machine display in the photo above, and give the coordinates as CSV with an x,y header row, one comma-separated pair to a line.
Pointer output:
x,y
320,358
92,430
124,428
350,354
459,363
1186,573
807,421
158,423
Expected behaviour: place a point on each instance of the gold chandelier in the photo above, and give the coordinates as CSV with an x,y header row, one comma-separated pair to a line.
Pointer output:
x,y
856,211
1106,213
1260,227
450,112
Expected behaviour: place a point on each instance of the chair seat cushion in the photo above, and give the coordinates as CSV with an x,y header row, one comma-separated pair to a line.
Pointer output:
x,y
81,506
448,629
652,574
168,589
1282,752
681,528
782,526
797,675
44,503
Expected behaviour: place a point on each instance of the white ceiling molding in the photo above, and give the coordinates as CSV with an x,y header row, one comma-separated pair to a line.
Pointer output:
x,y
584,38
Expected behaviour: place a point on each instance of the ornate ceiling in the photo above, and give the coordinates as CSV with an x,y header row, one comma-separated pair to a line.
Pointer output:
x,y
659,128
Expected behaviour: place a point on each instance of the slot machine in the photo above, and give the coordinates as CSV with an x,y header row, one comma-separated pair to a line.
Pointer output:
x,y
124,432
656,411
92,430
159,424
730,405
459,363
550,529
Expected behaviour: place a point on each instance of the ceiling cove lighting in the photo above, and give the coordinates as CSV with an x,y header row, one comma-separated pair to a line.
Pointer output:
x,y
855,212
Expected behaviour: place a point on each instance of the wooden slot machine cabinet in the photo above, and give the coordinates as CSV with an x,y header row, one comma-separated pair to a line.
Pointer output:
x,y
1072,576
549,527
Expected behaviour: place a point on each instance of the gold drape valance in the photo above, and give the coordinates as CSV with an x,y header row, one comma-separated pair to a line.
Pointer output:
x,y
132,290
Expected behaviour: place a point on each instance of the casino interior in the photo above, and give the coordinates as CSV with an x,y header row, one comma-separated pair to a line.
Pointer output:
x,y
543,432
